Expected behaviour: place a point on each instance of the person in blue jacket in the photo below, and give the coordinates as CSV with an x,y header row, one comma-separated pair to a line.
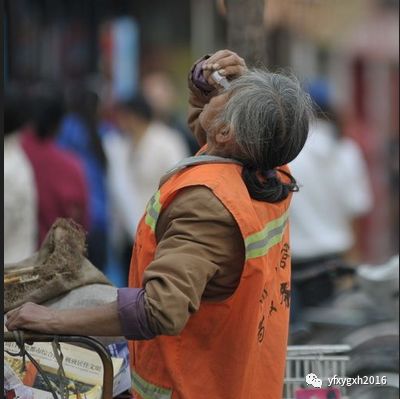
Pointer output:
x,y
80,133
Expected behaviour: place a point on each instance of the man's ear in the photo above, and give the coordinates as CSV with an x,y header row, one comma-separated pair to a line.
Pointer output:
x,y
225,134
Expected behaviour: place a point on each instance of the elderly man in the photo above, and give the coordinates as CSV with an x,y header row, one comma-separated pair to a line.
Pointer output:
x,y
207,309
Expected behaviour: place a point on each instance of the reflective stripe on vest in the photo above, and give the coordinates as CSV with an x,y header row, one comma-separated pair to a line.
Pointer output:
x,y
147,390
153,210
258,244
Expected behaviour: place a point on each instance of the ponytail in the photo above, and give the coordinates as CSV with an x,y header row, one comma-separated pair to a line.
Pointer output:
x,y
268,188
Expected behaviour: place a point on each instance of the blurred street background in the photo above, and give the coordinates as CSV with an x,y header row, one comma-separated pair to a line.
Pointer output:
x,y
102,53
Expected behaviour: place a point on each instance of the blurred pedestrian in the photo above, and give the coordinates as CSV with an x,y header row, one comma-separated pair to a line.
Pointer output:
x,y
153,146
139,156
20,202
335,191
208,303
59,177
79,133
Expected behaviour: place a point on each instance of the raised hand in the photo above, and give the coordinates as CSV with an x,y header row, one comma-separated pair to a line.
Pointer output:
x,y
226,62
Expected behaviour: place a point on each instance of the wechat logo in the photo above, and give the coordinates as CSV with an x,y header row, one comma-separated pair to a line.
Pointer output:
x,y
312,379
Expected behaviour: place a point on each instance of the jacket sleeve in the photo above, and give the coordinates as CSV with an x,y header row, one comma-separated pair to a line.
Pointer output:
x,y
197,240
197,99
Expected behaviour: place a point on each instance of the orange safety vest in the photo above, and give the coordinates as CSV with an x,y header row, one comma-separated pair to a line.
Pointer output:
x,y
234,349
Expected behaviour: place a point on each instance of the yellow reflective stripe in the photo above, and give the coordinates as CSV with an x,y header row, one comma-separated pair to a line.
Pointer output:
x,y
269,226
147,390
258,244
150,222
153,210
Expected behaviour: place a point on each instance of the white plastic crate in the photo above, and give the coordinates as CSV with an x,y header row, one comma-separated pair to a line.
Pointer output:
x,y
325,361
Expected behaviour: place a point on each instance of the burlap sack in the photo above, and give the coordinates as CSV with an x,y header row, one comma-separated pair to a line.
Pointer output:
x,y
60,265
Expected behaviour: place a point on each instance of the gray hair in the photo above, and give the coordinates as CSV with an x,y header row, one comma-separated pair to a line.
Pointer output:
x,y
270,115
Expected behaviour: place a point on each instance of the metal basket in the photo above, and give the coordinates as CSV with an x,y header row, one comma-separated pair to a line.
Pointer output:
x,y
323,360
89,342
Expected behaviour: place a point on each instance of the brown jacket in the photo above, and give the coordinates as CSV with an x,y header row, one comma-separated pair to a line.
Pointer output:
x,y
200,251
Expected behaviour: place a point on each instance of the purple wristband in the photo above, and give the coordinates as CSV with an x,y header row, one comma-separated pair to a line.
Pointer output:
x,y
132,314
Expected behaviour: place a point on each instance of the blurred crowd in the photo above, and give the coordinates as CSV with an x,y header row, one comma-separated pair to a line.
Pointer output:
x,y
69,154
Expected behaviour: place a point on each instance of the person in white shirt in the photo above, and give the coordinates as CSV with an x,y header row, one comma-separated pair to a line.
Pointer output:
x,y
334,192
20,197
138,157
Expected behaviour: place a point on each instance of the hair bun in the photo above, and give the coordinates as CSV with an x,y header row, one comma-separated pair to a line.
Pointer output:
x,y
272,189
